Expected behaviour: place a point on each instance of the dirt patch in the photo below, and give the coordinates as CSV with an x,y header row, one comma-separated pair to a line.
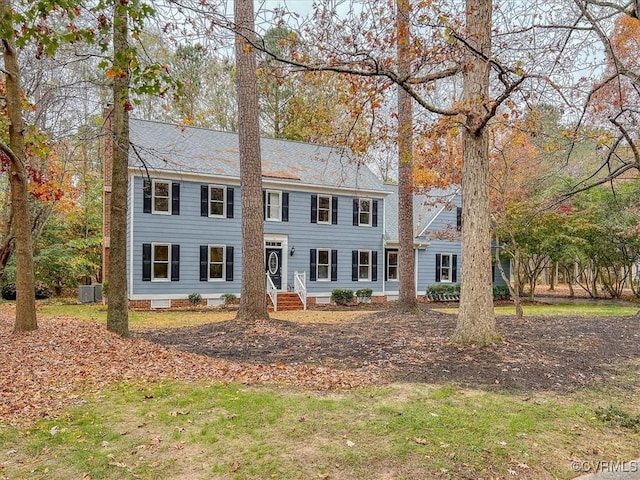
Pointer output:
x,y
561,354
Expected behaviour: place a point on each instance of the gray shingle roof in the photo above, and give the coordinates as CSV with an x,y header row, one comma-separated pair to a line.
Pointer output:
x,y
426,207
176,148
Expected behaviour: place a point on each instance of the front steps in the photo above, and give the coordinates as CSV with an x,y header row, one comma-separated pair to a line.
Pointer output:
x,y
286,301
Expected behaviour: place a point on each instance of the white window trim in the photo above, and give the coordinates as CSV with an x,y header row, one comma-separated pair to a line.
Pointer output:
x,y
397,265
360,224
450,255
224,201
223,277
329,216
153,197
328,250
153,262
266,199
368,279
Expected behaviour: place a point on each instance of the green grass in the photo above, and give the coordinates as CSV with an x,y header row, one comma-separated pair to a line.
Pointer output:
x,y
588,310
172,429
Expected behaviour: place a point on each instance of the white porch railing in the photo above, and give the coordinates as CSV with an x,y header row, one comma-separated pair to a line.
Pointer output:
x,y
300,287
272,291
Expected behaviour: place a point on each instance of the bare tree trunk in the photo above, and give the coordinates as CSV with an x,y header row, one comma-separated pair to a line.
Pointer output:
x,y
406,262
117,301
253,295
476,319
17,155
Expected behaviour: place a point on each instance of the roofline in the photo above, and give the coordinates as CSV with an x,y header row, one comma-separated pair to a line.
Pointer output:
x,y
269,182
451,197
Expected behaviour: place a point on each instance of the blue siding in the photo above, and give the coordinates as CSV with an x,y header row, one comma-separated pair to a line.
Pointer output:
x,y
190,230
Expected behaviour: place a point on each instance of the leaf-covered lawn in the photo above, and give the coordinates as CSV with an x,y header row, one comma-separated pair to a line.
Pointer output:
x,y
56,366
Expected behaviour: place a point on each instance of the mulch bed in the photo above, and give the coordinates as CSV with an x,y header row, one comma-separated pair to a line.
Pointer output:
x,y
561,354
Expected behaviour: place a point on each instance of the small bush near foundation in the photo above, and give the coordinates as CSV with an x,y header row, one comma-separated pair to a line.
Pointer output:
x,y
342,296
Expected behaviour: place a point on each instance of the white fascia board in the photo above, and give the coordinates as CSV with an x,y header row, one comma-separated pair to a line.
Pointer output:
x,y
266,182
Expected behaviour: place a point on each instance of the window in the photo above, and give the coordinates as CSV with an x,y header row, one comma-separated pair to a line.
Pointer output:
x,y
392,265
160,261
161,196
324,209
364,265
364,211
216,262
217,201
324,264
273,206
446,268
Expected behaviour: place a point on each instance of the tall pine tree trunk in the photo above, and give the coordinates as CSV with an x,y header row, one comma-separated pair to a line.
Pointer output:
x,y
17,155
117,300
476,319
406,262
253,302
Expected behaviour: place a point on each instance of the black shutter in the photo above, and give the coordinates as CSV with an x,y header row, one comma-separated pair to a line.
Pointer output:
x,y
146,196
146,262
438,263
264,204
285,206
458,218
334,210
175,263
229,264
493,274
454,268
229,202
334,265
374,213
354,265
314,209
175,198
385,265
355,211
312,265
374,266
204,263
204,200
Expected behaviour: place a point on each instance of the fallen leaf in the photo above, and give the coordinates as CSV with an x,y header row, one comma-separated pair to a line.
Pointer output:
x,y
421,441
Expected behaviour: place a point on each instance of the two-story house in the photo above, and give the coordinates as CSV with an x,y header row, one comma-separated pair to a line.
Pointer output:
x,y
323,217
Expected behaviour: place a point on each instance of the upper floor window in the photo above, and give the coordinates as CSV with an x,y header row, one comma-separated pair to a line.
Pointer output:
x,y
217,201
273,206
324,209
161,197
365,212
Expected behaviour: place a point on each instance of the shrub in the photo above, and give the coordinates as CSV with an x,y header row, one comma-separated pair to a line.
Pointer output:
x,y
364,293
229,299
41,291
342,296
501,292
195,298
443,291
9,291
